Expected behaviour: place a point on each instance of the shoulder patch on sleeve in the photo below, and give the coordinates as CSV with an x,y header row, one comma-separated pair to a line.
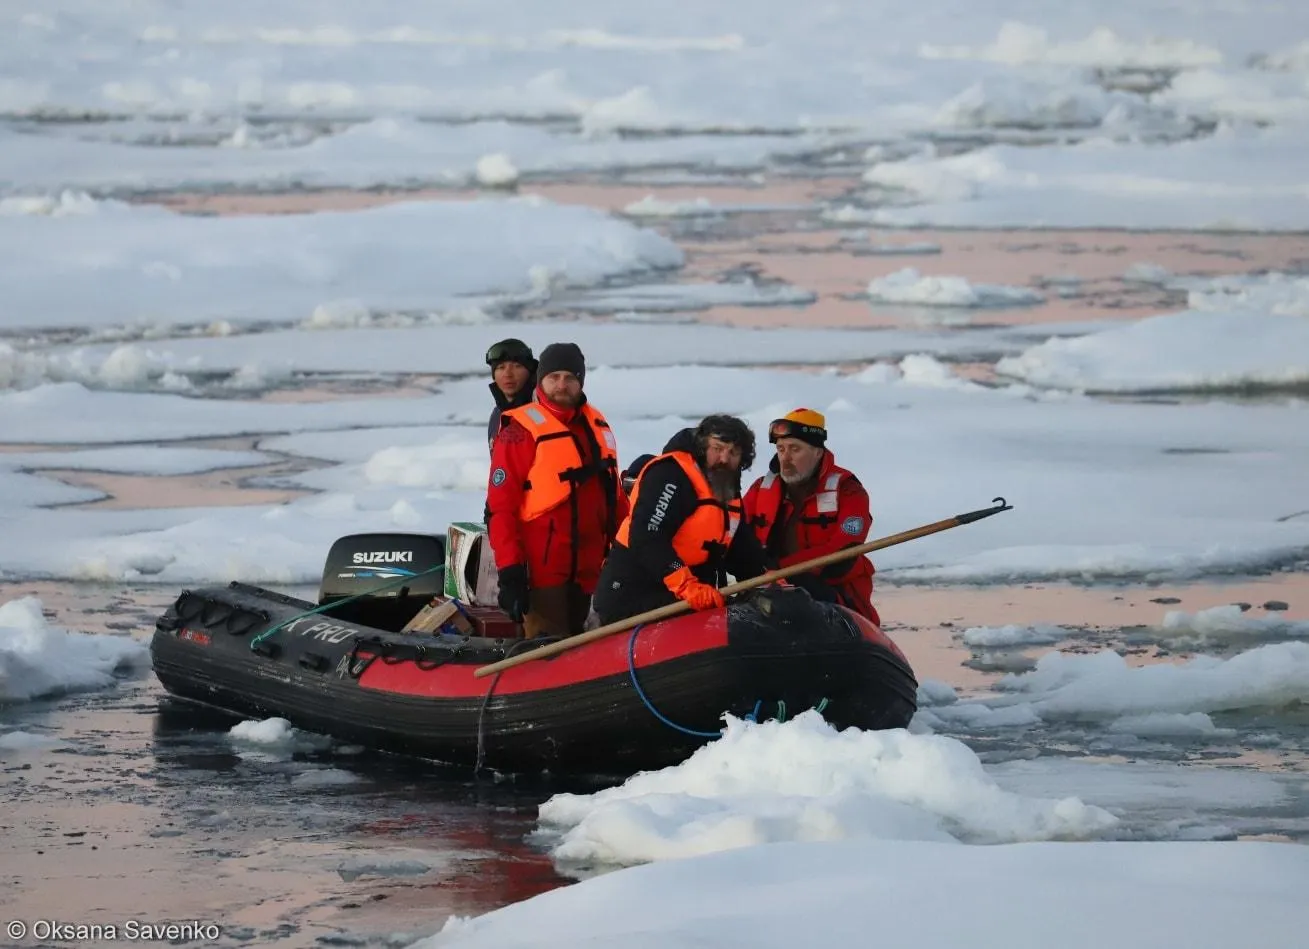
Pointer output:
x,y
854,526
498,477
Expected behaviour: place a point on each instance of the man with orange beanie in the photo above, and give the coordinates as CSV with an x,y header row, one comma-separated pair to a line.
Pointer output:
x,y
808,506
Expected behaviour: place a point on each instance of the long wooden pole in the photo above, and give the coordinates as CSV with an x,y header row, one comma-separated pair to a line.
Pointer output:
x,y
681,606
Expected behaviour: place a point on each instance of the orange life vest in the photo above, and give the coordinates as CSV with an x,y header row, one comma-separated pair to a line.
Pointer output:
x,y
708,530
558,461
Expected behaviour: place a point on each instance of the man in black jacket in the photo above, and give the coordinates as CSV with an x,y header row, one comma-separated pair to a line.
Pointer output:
x,y
513,379
682,537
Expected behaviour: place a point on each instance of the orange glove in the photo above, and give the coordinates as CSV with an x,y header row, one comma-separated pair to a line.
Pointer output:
x,y
683,585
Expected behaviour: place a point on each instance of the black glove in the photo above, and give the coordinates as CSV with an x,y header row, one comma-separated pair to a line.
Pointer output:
x,y
513,596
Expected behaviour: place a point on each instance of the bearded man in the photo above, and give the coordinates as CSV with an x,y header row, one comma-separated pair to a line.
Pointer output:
x,y
554,500
808,506
682,537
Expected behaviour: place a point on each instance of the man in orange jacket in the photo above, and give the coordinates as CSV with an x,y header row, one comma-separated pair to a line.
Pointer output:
x,y
685,532
553,498
808,506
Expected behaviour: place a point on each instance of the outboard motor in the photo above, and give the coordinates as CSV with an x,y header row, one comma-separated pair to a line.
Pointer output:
x,y
376,566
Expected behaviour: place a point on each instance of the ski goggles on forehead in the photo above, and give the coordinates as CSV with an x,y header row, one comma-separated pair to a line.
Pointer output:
x,y
507,352
785,428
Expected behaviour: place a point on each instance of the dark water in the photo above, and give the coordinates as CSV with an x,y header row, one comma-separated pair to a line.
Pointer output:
x,y
147,809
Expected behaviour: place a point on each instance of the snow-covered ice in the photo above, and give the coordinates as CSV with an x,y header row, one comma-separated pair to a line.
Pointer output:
x,y
37,659
909,286
119,264
402,96
1252,333
834,825
1104,686
1241,180
131,337
425,467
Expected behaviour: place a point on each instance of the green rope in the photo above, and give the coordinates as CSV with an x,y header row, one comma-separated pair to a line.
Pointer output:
x,y
399,581
781,709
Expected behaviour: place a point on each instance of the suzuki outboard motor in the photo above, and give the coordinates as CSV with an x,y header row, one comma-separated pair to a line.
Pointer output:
x,y
394,572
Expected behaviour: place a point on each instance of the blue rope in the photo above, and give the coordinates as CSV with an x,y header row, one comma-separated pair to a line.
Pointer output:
x,y
753,716
399,581
631,669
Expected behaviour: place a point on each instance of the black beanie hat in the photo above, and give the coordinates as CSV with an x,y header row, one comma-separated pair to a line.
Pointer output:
x,y
511,350
562,357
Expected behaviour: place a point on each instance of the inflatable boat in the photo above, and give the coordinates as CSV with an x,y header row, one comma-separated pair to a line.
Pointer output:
x,y
647,698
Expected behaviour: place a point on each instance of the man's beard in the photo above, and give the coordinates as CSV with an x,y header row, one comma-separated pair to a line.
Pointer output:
x,y
796,476
566,401
724,482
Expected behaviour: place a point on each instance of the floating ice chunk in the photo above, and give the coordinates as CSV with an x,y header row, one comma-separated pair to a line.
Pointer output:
x,y
909,286
1020,43
1168,725
1000,636
37,659
496,171
1229,623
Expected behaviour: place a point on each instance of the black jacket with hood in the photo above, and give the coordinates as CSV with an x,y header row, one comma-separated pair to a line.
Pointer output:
x,y
632,580
502,404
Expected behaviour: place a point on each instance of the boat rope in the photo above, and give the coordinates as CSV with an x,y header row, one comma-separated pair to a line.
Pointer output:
x,y
481,733
324,607
753,716
631,670
486,699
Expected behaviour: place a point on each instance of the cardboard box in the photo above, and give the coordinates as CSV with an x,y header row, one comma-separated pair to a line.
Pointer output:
x,y
470,573
437,614
491,622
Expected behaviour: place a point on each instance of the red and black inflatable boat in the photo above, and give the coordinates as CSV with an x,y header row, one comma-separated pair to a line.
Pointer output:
x,y
631,701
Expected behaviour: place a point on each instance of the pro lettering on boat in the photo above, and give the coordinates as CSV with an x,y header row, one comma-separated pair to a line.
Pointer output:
x,y
384,556
320,630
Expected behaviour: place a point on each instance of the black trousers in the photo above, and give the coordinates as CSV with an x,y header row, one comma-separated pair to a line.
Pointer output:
x,y
627,588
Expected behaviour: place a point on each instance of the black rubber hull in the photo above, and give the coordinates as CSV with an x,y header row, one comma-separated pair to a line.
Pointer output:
x,y
588,714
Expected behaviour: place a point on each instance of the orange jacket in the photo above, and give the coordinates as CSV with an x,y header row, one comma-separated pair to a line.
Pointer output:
x,y
553,497
711,525
834,516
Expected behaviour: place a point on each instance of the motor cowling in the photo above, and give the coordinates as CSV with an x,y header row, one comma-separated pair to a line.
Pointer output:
x,y
393,576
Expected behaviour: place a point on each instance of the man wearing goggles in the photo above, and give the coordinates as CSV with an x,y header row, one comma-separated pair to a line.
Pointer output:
x,y
513,377
807,506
